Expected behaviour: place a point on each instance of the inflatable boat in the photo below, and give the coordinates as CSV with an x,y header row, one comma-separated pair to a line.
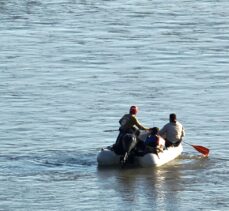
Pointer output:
x,y
107,157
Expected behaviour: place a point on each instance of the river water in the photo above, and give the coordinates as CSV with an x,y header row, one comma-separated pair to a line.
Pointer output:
x,y
69,69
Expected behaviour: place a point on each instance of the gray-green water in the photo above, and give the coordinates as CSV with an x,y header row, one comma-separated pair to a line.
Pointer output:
x,y
70,69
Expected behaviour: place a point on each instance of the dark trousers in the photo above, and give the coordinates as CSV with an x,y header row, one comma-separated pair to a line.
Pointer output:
x,y
169,144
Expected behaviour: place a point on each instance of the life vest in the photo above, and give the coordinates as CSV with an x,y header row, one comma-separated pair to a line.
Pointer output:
x,y
152,141
155,141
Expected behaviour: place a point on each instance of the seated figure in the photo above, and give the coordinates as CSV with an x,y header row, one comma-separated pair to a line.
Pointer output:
x,y
154,142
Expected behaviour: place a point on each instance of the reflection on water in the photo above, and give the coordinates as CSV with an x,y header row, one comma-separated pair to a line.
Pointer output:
x,y
160,188
157,187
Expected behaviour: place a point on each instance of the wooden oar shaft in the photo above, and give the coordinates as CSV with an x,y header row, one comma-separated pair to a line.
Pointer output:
x,y
186,143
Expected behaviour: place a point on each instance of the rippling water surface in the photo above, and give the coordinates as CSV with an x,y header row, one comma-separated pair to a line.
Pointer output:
x,y
69,69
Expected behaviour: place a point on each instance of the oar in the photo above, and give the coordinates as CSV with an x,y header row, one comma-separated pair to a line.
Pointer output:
x,y
201,149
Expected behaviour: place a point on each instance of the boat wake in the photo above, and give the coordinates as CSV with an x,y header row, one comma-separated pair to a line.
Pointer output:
x,y
187,156
49,165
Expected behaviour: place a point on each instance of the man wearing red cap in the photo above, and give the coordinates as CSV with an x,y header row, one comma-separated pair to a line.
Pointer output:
x,y
128,124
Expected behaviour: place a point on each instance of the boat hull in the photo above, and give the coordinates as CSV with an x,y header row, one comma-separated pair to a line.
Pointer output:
x,y
107,157
151,159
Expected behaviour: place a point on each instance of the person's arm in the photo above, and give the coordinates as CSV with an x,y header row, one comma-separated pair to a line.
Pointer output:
x,y
138,124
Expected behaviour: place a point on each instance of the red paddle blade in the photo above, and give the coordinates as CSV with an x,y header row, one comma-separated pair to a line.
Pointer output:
x,y
201,149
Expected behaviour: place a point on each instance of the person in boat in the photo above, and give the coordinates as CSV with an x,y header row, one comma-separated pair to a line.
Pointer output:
x,y
154,142
172,132
129,124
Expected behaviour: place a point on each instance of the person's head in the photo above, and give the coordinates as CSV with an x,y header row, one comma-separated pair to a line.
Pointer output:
x,y
133,110
154,130
172,118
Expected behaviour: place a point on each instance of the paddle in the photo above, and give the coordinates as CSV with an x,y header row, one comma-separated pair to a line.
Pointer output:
x,y
201,149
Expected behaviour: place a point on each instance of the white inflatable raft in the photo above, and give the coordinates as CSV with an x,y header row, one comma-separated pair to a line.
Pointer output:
x,y
151,159
106,157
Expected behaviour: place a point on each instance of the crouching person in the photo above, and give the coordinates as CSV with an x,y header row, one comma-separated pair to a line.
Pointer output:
x,y
154,143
